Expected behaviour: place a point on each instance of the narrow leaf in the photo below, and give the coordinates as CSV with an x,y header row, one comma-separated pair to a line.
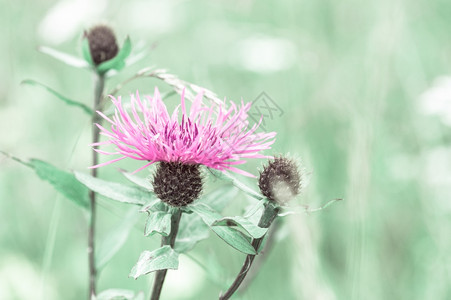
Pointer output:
x,y
158,222
63,182
238,183
86,51
154,205
64,57
292,210
117,62
68,101
252,229
142,182
115,191
160,259
192,230
220,197
232,237
115,239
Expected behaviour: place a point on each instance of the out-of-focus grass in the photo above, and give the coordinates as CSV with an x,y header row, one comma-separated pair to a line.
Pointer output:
x,y
347,75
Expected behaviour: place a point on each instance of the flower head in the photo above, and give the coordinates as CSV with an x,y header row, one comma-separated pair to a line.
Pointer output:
x,y
102,43
212,135
280,180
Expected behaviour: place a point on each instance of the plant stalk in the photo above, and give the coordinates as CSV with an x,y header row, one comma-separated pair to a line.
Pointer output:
x,y
269,214
98,91
166,240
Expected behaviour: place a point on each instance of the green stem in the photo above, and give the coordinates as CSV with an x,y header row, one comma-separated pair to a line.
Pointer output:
x,y
269,214
98,91
166,240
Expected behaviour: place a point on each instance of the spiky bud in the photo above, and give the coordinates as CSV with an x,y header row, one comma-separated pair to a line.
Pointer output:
x,y
102,44
176,183
280,180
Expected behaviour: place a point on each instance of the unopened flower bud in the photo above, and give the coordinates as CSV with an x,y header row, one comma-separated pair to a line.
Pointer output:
x,y
102,44
176,183
280,180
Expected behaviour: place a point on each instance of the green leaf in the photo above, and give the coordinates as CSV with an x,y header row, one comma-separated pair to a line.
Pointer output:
x,y
159,222
86,51
64,57
115,239
236,182
154,205
119,294
117,62
142,182
252,229
192,230
63,182
220,197
160,259
68,101
232,237
115,191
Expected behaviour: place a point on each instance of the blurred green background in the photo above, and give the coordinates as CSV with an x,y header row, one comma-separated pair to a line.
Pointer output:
x,y
362,109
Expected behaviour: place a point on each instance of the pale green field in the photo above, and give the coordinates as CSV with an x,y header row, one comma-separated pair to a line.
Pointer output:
x,y
348,76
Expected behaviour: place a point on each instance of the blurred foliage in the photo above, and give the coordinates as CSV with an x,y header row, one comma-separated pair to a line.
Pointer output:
x,y
347,76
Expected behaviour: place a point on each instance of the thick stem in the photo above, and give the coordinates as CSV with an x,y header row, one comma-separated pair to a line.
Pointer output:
x,y
269,214
99,86
166,240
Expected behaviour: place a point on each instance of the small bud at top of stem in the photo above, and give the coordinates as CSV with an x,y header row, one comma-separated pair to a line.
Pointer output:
x,y
280,180
102,43
176,183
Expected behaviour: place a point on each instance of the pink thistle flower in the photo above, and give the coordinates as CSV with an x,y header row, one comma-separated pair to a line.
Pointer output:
x,y
213,136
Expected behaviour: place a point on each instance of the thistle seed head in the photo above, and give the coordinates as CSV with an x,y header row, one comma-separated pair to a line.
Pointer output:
x,y
280,180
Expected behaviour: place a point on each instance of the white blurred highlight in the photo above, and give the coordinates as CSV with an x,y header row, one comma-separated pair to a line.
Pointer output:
x,y
264,54
437,99
185,282
154,17
66,19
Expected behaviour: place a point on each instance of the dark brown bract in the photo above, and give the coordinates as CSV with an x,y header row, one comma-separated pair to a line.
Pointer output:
x,y
102,44
176,183
280,180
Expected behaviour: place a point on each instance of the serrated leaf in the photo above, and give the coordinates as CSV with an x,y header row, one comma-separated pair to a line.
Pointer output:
x,y
220,197
64,182
236,182
232,237
192,230
158,222
142,182
115,239
119,294
252,229
86,52
115,191
64,57
159,259
117,62
66,100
